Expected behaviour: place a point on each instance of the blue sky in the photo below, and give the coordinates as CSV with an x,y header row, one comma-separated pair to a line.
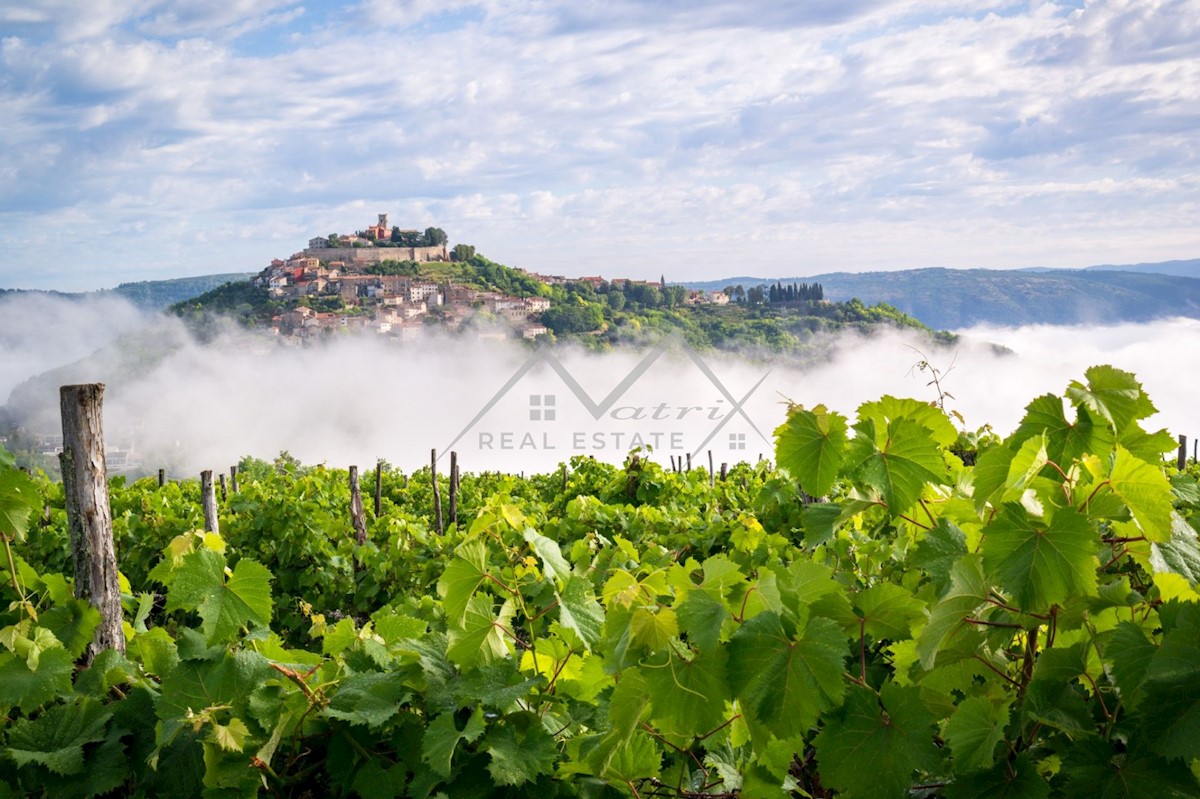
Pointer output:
x,y
143,139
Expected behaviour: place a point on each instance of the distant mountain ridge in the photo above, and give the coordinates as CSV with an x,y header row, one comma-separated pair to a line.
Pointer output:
x,y
955,298
149,295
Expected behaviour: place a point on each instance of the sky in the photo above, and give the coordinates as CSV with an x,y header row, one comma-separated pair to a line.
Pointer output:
x,y
147,139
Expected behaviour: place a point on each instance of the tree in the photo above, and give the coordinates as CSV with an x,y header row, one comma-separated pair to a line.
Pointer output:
x,y
462,252
616,300
435,237
396,237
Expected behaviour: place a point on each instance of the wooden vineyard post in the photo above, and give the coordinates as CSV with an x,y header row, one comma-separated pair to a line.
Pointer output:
x,y
233,481
378,487
453,487
208,500
724,471
437,495
689,461
712,475
357,516
162,477
224,488
89,517
1182,452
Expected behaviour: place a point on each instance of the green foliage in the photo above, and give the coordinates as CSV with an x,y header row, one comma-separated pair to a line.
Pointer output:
x,y
1025,627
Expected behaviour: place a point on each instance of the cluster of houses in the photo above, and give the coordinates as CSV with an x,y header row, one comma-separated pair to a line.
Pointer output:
x,y
398,306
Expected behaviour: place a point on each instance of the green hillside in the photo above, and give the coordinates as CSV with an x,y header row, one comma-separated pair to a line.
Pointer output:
x,y
953,298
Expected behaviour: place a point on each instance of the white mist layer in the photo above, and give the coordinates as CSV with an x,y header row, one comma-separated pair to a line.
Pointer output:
x,y
40,332
354,399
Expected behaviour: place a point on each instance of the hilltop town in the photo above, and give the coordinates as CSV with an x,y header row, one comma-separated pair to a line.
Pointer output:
x,y
396,283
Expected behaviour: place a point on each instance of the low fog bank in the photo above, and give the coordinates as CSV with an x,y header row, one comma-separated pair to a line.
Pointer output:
x,y
40,332
186,407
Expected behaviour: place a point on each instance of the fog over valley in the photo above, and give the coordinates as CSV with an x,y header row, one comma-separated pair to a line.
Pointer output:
x,y
188,406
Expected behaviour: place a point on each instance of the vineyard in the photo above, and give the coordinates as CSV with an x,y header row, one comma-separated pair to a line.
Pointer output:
x,y
893,608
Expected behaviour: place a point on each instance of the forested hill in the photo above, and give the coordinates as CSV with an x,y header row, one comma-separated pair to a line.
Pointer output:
x,y
954,298
149,295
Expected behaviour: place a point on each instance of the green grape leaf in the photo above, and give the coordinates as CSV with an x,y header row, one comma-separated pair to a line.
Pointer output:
x,y
701,618
1092,768
56,738
554,565
653,630
1180,555
519,756
872,745
481,638
109,668
820,521
687,697
195,685
1016,780
1146,491
639,759
244,599
1065,442
155,650
627,705
811,446
370,698
888,611
73,623
19,501
393,627
973,732
198,575
578,610
926,414
1029,459
990,474
199,584
232,736
899,467
498,686
338,638
378,781
968,591
1147,446
22,687
786,677
1040,564
1111,394
1172,688
1129,652
442,738
465,572
937,552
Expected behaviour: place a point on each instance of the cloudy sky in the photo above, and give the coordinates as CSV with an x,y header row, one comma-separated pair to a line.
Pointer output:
x,y
144,139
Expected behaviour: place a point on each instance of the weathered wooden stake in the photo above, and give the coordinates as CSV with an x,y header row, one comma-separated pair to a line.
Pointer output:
x,y
712,475
162,477
357,517
724,471
89,517
564,477
378,488
437,494
689,457
233,481
1182,452
208,499
224,488
453,487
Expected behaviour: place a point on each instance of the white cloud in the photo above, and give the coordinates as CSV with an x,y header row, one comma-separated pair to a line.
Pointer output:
x,y
880,134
